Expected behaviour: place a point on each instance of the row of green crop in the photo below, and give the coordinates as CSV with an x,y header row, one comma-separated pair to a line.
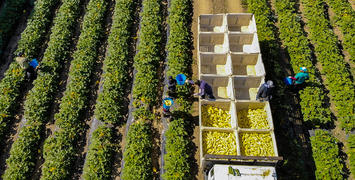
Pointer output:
x,y
24,151
179,55
9,16
313,105
177,159
138,149
100,155
344,18
30,43
60,149
326,156
337,75
148,57
110,107
351,152
137,155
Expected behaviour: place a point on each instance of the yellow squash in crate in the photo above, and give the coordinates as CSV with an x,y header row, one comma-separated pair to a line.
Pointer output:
x,y
256,144
253,118
219,143
215,117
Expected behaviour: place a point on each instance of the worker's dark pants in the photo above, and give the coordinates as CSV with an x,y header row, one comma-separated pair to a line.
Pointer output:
x,y
210,95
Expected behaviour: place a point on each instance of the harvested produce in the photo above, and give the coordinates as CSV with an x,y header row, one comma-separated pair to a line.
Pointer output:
x,y
256,144
219,143
215,117
252,118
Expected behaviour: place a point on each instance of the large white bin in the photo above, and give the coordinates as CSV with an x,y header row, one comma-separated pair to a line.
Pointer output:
x,y
213,42
246,88
243,42
212,23
247,64
221,86
215,64
241,22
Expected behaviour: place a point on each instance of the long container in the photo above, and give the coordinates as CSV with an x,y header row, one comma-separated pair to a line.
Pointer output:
x,y
230,61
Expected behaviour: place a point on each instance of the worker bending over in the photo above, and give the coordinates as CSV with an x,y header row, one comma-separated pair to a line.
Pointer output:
x,y
205,89
172,86
265,91
301,77
29,67
299,80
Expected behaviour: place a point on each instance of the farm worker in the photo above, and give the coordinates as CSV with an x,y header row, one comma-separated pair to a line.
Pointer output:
x,y
28,67
171,86
205,89
301,77
265,91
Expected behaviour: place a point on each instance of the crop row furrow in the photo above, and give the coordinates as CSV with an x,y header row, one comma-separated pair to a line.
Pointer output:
x,y
179,55
344,18
9,16
337,75
30,43
60,149
26,148
110,107
313,105
137,156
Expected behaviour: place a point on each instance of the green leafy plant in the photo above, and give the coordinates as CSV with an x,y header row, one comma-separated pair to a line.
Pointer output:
x,y
110,103
326,156
148,57
337,75
59,149
25,149
177,163
30,43
99,157
314,108
179,57
344,18
137,155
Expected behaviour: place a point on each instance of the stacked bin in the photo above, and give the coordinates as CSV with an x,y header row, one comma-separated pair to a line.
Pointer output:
x,y
230,61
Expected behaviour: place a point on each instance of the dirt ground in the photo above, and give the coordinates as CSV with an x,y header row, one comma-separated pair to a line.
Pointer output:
x,y
208,7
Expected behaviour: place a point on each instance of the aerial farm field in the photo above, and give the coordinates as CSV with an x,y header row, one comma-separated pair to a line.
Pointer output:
x,y
93,109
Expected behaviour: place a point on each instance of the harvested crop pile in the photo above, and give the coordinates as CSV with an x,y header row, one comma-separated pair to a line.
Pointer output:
x,y
219,143
253,118
215,117
256,144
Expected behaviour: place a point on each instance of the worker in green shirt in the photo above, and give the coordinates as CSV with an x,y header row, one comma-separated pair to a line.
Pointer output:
x,y
302,76
299,79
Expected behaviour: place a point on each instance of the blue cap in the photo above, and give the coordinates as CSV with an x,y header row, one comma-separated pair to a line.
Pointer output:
x,y
304,69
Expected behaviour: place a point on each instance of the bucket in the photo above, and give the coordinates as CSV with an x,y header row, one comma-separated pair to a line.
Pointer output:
x,y
180,79
288,81
34,63
167,103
